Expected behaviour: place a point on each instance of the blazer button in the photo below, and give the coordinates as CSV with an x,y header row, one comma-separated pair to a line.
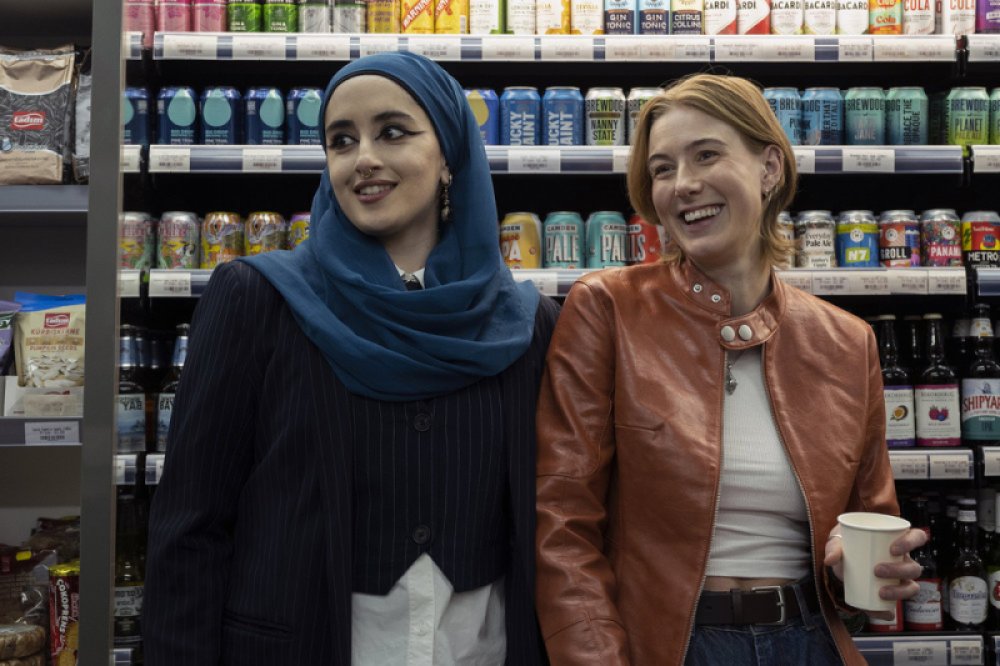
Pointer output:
x,y
422,422
421,534
728,334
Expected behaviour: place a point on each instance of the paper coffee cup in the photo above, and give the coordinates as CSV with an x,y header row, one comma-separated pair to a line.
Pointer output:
x,y
866,540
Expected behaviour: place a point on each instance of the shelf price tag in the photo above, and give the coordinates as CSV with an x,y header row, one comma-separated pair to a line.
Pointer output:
x,y
799,279
991,461
154,468
986,159
966,652
868,283
169,159
912,653
130,159
322,47
869,160
497,47
678,48
533,160
373,44
619,158
946,281
120,470
983,48
908,465
828,283
567,48
854,49
128,284
914,48
805,160
262,160
950,466
728,49
619,48
169,284
190,46
437,47
546,281
258,46
51,432
904,281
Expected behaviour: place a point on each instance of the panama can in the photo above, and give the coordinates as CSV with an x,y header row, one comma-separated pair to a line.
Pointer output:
x,y
819,17
918,17
383,16
637,98
243,17
941,237
606,121
178,240
654,17
298,230
720,17
899,239
564,236
857,239
620,17
314,17
885,17
552,17
787,107
265,117
221,116
753,17
222,238
687,17
981,238
815,240
907,116
177,116
136,241
645,241
280,16
607,237
562,112
350,17
852,17
485,107
967,117
521,240
451,17
787,17
135,116
265,231
302,112
520,116
995,116
864,116
822,117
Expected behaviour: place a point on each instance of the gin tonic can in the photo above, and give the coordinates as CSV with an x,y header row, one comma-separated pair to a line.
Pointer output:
x,y
564,236
607,237
178,240
243,17
864,115
606,117
822,117
208,17
280,16
907,116
654,17
173,16
222,238
562,113
520,116
941,237
620,17
787,106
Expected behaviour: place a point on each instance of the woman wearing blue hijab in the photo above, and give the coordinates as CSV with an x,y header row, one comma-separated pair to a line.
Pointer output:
x,y
350,468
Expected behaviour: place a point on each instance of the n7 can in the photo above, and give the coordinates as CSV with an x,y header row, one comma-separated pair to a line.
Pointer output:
x,y
967,117
135,116
486,108
941,237
303,109
562,112
178,240
564,234
265,231
221,116
864,113
907,116
645,241
520,116
521,240
822,117
787,106
857,239
265,120
222,238
177,116
606,121
606,240
899,239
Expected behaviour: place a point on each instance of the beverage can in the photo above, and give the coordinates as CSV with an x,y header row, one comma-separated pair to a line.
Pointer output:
x,y
606,122
140,17
486,108
787,17
852,17
383,16
819,17
645,241
637,98
864,116
521,17
988,19
521,240
350,17
981,238
552,17
303,109
967,117
787,107
520,116
208,17
937,133
487,17
687,17
586,17
857,239
222,238
620,17
899,239
136,241
815,240
918,17
135,116
177,116
753,17
243,17
562,114
173,16
315,17
298,230
720,17
907,116
995,116
265,117
955,17
564,235
606,239
279,16
885,17
417,17
178,240
265,231
822,117
451,17
940,237
654,17
221,116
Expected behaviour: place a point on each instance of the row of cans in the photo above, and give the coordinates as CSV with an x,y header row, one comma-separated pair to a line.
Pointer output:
x,y
565,240
183,240
221,115
898,116
562,117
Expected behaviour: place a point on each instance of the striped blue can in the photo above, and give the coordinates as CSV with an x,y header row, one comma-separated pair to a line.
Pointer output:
x,y
787,106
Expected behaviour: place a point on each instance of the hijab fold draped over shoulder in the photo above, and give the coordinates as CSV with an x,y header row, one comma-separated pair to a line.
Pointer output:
x,y
471,320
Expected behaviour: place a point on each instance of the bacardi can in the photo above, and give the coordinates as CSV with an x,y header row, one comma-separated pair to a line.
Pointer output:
x,y
955,17
265,231
619,17
222,238
177,116
654,17
899,239
819,17
303,112
178,240
350,17
298,230
607,237
857,239
852,17
687,17
787,107
864,115
243,16
918,17
315,16
637,98
941,237
645,241
606,117
753,17
520,116
521,17
221,116
787,17
383,16
586,17
521,240
563,118
995,116
988,16
907,116
136,119
136,241
451,17
486,108
564,233
720,17
885,17
967,117
552,17
822,117
265,117
815,240
280,16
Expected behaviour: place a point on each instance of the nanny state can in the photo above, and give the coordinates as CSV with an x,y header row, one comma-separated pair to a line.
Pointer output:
x,y
941,237
906,116
787,106
177,116
899,239
606,239
520,116
822,117
265,118
562,116
606,117
178,240
302,113
521,240
564,233
857,239
864,116
486,108
221,116
815,240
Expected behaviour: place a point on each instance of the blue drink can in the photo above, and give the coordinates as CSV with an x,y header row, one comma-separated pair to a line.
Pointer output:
x,y
177,116
303,109
857,239
221,116
907,116
619,17
135,116
607,239
520,116
864,115
562,113
787,106
563,238
265,117
822,117
486,108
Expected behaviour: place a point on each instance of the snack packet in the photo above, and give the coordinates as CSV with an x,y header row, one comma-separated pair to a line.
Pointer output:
x,y
49,334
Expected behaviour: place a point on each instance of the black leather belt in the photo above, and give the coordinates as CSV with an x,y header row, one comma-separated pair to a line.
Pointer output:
x,y
770,604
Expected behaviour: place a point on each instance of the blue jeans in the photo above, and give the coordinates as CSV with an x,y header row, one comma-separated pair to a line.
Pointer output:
x,y
804,640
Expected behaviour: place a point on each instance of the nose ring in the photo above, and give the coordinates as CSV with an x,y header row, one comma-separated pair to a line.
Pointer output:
x,y
367,173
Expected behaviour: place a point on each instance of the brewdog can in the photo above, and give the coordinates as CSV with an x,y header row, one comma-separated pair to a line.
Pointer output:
x,y
787,106
177,116
822,117
564,233
136,120
907,116
637,98
265,119
967,117
562,113
606,117
995,116
864,115
302,113
606,240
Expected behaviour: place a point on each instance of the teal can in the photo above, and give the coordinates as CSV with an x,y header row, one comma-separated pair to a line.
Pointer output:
x,y
563,234
864,115
607,239
967,117
857,239
995,116
907,116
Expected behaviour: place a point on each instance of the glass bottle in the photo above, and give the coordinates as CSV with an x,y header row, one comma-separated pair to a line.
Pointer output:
x,y
165,400
131,408
993,571
897,388
129,579
913,344
936,393
987,520
967,583
923,612
981,385
960,343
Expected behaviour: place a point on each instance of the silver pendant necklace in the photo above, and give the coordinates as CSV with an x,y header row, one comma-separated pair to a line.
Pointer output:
x,y
731,359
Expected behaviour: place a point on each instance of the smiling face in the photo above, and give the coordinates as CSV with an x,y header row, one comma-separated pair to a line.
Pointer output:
x,y
385,162
708,188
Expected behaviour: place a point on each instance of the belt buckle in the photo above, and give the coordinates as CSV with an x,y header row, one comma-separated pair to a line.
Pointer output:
x,y
781,602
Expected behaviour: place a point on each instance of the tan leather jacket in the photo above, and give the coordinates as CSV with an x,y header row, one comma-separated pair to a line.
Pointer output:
x,y
630,450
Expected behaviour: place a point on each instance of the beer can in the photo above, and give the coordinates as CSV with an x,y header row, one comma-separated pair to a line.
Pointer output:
x,y
173,16
967,117
140,17
564,236
417,17
885,17
852,17
606,122
520,116
265,231
451,17
753,17
637,98
822,117
221,116
135,116
606,239
620,17
787,107
222,238
586,17
955,17
486,17
786,230
937,133
857,239
64,613
815,240
941,237
265,117
350,17
303,109
298,230
918,17
280,16
819,17
486,108
899,239
383,16
981,238
687,17
178,240
906,115
995,116
720,17
136,241
208,17
787,17
243,17
988,16
177,116
552,17
864,116
521,240
654,17
562,114
645,241
521,17
315,17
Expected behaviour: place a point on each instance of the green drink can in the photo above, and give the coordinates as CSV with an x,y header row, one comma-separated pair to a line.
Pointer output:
x,y
243,17
967,117
280,16
995,116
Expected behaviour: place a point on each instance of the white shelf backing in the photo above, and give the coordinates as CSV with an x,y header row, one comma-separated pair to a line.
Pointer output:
x,y
877,281
40,431
985,159
934,650
938,464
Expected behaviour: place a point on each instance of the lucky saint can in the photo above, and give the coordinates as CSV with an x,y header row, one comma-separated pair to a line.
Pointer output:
x,y
222,238
995,116
822,117
486,108
787,17
899,239
314,16
637,98
606,122
350,17
302,113
265,117
564,235
864,115
520,116
787,106
298,230
135,116
606,240
907,116
687,17
521,240
852,17
720,17
243,17
967,117
136,241
562,115
221,116
819,17
815,240
981,238
265,231
645,241
654,17
383,16
280,16
177,116
178,240
857,239
940,237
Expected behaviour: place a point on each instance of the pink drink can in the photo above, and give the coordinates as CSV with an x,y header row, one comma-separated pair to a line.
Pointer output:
x,y
173,16
208,17
141,17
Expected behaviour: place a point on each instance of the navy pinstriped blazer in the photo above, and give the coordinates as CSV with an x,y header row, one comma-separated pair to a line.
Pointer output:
x,y
256,526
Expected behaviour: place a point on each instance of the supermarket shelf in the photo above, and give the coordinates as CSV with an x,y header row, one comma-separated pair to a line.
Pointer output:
x,y
132,45
129,282
37,431
558,48
126,465
34,204
988,281
983,48
926,649
991,461
937,464
985,159
879,159
154,468
877,281
131,159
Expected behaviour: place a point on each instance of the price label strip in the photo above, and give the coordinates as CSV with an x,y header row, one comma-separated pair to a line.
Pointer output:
x,y
621,48
44,433
128,284
440,47
120,470
946,281
908,465
619,158
322,47
905,281
991,461
901,48
854,49
254,46
546,281
829,283
869,160
966,652
258,160
533,160
733,49
508,48
986,159
797,278
805,160
678,49
924,653
169,284
868,283
169,159
950,466
565,49
983,48
190,46
374,44
131,161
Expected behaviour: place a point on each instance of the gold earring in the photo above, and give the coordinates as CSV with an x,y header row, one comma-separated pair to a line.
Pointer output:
x,y
446,201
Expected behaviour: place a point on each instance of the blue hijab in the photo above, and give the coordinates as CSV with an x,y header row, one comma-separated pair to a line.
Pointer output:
x,y
470,321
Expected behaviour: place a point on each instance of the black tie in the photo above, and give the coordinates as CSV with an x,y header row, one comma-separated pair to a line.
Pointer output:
x,y
412,283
